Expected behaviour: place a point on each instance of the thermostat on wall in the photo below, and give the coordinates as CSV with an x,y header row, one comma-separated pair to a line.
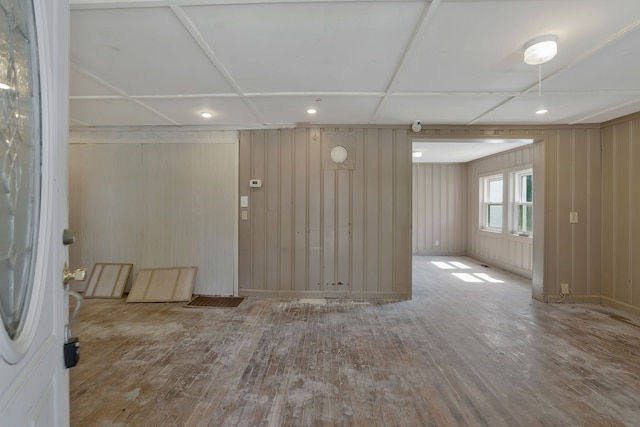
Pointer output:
x,y
255,183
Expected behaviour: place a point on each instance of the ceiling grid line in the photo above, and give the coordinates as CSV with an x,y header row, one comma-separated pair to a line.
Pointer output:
x,y
264,63
209,52
431,8
120,92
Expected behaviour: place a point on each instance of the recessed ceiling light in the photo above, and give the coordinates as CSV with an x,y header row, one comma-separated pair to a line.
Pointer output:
x,y
4,86
206,115
542,111
417,154
312,111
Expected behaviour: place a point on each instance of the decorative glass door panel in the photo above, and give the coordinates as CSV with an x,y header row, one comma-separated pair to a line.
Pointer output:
x,y
20,161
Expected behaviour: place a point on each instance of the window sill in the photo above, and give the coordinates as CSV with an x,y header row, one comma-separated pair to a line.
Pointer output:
x,y
491,230
524,235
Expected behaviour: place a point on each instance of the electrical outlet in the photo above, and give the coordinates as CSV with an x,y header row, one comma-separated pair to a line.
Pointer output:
x,y
564,289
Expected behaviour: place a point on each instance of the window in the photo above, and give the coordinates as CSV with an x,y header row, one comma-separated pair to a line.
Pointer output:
x,y
492,212
507,202
523,202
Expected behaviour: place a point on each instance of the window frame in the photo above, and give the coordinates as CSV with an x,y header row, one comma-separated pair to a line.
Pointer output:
x,y
516,202
486,203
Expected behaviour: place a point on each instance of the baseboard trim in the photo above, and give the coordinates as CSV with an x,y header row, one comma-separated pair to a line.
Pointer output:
x,y
319,294
621,306
576,299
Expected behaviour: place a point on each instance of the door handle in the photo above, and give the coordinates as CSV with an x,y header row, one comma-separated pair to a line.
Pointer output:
x,y
78,275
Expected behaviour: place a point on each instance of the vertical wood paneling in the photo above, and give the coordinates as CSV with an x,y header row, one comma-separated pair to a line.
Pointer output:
x,y
402,214
156,205
506,251
635,213
540,225
286,223
386,208
621,217
620,213
579,238
314,206
103,197
329,230
564,195
337,218
343,231
372,211
272,187
258,211
634,197
358,215
594,219
299,205
244,229
608,209
439,209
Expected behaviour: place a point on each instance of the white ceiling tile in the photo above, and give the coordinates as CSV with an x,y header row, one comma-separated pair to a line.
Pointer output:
x,y
478,46
442,109
186,111
333,47
143,51
562,108
83,85
606,69
332,109
113,112
276,57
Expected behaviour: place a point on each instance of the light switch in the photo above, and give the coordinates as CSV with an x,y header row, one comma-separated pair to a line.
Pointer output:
x,y
244,216
244,201
573,217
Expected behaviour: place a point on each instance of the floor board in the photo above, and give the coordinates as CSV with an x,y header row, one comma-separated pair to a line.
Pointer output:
x,y
458,354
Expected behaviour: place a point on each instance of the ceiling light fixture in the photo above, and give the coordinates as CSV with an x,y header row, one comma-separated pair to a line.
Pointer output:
x,y
542,111
206,115
540,50
417,154
312,111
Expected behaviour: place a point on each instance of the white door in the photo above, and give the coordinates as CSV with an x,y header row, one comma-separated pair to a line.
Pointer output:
x,y
34,58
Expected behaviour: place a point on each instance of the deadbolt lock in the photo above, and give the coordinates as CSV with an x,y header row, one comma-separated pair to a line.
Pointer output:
x,y
78,275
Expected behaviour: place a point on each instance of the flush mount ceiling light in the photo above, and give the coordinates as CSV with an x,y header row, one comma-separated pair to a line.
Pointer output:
x,y
540,50
312,111
206,115
339,154
542,111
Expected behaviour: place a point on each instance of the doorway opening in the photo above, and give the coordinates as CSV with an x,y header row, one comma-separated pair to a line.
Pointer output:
x,y
476,197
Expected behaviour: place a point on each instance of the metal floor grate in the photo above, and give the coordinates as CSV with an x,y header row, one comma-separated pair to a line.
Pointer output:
x,y
215,302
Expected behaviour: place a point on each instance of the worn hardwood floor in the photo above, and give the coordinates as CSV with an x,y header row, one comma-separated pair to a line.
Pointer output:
x,y
458,354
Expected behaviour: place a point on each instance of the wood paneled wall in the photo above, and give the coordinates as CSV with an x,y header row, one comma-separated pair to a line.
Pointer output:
x,y
314,229
310,228
566,163
621,213
156,199
504,250
439,211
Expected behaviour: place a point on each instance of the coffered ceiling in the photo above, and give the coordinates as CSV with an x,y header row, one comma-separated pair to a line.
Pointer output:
x,y
256,64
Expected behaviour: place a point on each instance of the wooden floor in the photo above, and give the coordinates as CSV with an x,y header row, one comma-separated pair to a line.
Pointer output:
x,y
459,354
